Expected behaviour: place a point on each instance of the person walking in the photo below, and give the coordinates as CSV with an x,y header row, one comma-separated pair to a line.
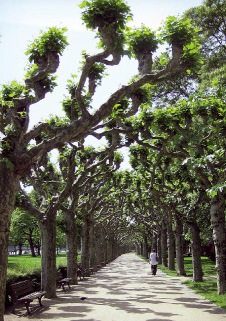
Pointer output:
x,y
153,260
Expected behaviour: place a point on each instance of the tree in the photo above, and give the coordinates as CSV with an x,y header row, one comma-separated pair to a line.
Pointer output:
x,y
24,228
17,153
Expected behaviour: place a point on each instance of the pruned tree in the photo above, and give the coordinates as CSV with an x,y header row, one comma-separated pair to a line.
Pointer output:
x,y
17,152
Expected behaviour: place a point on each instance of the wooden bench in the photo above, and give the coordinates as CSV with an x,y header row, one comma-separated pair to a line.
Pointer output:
x,y
23,293
61,282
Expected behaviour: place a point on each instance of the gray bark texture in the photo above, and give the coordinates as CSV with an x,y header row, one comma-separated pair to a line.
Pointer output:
x,y
217,212
164,245
196,252
85,255
71,240
179,247
171,243
48,272
8,187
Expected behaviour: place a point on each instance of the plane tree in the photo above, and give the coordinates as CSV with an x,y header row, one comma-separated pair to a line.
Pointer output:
x,y
17,154
210,19
193,132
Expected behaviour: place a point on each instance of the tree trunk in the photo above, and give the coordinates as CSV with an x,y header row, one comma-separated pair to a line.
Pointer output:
x,y
145,253
217,213
159,248
20,249
86,242
71,240
164,245
48,254
196,252
30,240
110,253
179,247
92,247
171,248
8,187
142,248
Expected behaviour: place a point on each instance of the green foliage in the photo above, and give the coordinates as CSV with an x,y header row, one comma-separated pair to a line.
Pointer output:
x,y
55,121
109,17
13,90
23,227
142,41
178,31
192,57
118,158
102,13
48,82
97,71
70,103
53,40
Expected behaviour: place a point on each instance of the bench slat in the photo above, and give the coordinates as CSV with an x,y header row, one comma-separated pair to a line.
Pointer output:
x,y
22,292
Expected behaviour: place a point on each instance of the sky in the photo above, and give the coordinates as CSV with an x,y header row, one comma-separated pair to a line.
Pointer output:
x,y
22,20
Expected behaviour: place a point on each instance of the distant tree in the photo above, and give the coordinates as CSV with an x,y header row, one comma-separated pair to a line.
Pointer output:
x,y
24,228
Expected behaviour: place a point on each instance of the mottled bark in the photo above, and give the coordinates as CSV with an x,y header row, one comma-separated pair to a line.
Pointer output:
x,y
98,246
196,252
217,212
85,255
145,62
164,245
145,247
71,240
8,187
179,247
159,248
171,243
48,254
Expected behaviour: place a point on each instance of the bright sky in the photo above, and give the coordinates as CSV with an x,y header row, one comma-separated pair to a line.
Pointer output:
x,y
21,21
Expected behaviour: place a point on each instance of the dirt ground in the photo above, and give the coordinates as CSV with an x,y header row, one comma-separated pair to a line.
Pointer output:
x,y
124,290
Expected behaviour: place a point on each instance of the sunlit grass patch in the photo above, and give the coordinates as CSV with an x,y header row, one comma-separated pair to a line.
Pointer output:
x,y
208,289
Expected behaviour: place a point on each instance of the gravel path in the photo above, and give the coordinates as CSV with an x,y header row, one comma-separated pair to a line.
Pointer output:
x,y
125,290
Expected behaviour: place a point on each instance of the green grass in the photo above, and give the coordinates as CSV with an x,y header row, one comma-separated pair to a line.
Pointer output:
x,y
207,288
208,267
22,265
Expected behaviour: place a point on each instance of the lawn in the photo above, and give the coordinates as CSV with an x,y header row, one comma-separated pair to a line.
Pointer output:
x,y
208,288
22,265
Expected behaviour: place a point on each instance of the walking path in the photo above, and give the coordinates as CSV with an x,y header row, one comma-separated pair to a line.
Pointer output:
x,y
125,290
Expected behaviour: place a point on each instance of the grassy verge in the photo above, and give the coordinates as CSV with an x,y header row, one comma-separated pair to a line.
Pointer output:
x,y
22,265
207,288
25,264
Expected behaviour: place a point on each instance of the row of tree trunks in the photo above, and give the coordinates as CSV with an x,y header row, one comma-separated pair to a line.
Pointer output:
x,y
171,241
98,246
